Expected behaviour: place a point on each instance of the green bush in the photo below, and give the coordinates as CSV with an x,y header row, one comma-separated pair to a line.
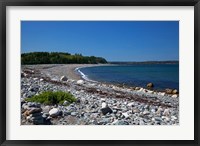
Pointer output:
x,y
52,98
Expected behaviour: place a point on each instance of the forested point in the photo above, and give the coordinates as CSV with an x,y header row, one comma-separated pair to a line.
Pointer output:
x,y
59,58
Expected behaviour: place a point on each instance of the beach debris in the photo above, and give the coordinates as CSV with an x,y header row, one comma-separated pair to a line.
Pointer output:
x,y
63,78
150,85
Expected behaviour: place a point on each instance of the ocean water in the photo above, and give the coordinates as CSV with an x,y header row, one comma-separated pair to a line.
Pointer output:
x,y
161,75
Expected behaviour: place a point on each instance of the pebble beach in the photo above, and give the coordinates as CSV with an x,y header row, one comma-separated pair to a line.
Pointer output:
x,y
97,103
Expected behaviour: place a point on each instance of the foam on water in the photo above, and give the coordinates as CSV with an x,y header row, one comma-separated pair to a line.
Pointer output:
x,y
85,77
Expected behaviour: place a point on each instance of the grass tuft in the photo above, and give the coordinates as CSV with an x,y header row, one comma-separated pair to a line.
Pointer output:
x,y
52,98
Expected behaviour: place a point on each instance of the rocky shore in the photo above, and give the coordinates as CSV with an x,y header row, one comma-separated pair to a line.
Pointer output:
x,y
97,103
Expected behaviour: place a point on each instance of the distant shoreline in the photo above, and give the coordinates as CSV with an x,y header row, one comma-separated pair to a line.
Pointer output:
x,y
143,62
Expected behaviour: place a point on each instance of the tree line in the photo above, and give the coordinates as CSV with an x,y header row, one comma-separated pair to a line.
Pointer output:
x,y
59,58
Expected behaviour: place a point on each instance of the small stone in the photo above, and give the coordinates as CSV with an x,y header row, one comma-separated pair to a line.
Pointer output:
x,y
159,111
34,110
146,112
130,104
168,91
175,91
173,117
137,88
46,109
54,112
103,99
126,115
106,110
80,82
65,103
174,96
135,110
121,122
74,113
103,105
166,112
158,119
162,94
150,85
63,78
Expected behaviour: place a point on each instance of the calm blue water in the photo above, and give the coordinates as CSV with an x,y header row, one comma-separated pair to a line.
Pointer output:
x,y
161,75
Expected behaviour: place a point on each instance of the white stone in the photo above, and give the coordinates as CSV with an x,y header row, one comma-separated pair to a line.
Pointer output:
x,y
150,92
174,96
162,94
126,115
146,112
173,117
130,104
80,82
103,99
103,105
141,90
54,112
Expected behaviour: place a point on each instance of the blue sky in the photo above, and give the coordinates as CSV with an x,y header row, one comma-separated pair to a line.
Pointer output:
x,y
113,40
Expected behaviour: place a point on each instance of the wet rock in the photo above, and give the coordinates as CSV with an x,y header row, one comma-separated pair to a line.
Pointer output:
x,y
175,91
168,91
150,85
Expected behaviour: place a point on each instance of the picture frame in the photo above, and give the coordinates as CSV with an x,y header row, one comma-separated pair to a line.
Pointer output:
x,y
3,54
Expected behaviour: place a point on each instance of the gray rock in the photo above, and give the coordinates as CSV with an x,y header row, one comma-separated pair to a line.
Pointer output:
x,y
54,112
63,78
158,119
106,110
74,113
121,122
166,112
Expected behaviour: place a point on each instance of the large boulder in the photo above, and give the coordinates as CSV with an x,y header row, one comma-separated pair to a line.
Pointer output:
x,y
150,85
63,78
